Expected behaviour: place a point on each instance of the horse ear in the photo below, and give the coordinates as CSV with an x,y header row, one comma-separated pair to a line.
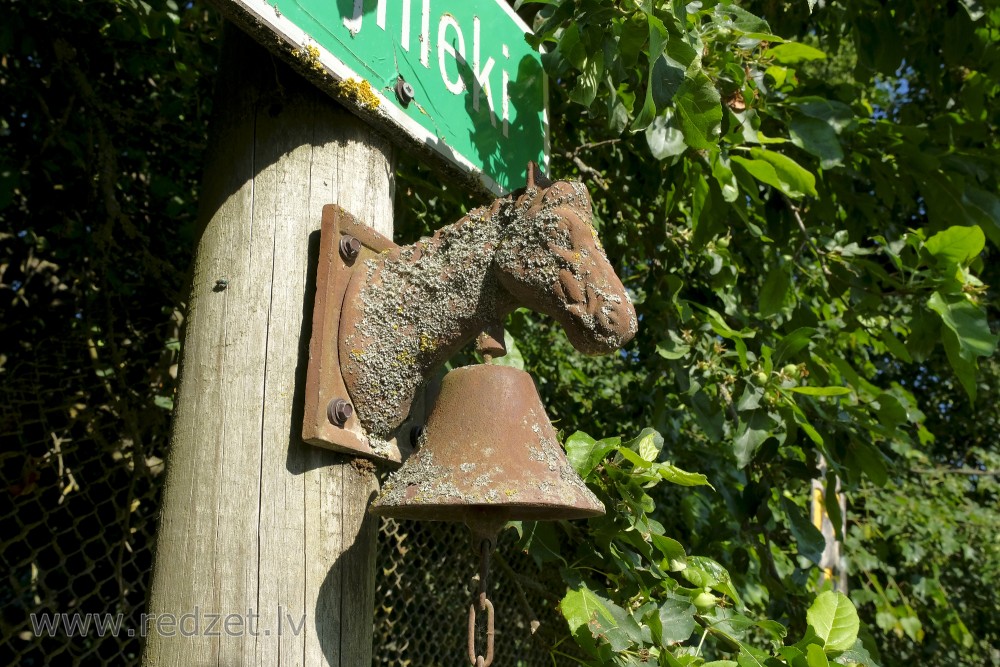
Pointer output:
x,y
536,179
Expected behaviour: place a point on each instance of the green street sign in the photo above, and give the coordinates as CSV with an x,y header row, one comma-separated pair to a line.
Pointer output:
x,y
455,78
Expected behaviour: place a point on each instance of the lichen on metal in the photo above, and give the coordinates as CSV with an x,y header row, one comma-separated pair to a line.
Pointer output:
x,y
408,310
360,92
310,55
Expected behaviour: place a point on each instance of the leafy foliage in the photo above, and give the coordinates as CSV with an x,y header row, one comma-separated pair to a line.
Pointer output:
x,y
800,201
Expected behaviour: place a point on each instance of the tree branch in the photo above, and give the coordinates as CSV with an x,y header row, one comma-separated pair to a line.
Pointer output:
x,y
809,239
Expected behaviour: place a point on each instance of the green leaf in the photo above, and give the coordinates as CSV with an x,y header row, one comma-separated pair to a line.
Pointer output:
x,y
984,207
646,114
778,171
815,657
706,573
790,53
750,435
818,138
870,460
572,48
674,475
795,180
585,90
791,344
165,402
809,538
719,326
837,115
671,550
856,655
891,412
730,15
648,444
894,346
665,137
666,78
673,347
725,177
968,322
834,620
513,357
585,611
584,453
633,458
956,245
657,40
808,429
772,294
822,391
699,109
676,620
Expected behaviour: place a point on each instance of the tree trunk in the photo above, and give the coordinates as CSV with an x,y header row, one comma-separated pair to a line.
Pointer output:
x,y
259,528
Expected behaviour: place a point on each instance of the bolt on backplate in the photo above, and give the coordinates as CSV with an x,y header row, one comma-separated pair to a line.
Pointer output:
x,y
338,411
350,248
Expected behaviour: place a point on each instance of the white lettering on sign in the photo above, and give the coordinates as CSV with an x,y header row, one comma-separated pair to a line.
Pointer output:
x,y
405,33
380,14
446,47
450,43
354,22
504,96
425,34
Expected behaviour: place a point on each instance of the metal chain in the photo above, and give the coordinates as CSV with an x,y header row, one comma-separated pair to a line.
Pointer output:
x,y
486,546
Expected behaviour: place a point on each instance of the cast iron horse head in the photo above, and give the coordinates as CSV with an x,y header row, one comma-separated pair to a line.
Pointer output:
x,y
411,308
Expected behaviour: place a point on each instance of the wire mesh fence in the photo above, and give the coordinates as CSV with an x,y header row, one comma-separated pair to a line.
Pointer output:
x,y
77,536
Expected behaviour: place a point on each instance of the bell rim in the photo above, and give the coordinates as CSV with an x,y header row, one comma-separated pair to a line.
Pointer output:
x,y
458,511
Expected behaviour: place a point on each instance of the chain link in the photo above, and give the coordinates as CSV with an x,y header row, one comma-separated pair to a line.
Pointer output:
x,y
475,659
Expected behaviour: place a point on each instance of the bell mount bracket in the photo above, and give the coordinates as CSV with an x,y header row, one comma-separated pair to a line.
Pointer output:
x,y
323,425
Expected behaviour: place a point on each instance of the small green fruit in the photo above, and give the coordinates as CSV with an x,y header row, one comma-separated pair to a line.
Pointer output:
x,y
705,602
791,370
760,378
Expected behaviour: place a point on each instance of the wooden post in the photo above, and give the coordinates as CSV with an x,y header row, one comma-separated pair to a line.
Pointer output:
x,y
263,537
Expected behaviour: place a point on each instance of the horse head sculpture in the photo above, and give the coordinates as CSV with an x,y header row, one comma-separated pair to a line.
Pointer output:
x,y
411,308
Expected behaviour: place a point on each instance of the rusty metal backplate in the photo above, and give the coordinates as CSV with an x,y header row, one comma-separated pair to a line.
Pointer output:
x,y
324,380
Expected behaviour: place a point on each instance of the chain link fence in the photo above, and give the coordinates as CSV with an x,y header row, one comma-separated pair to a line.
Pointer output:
x,y
77,531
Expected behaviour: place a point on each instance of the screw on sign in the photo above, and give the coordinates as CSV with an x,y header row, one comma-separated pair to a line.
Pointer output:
x,y
404,92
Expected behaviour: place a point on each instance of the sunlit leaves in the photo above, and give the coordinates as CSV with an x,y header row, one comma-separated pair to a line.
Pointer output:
x,y
699,110
834,620
790,54
966,335
665,136
794,232
956,245
779,171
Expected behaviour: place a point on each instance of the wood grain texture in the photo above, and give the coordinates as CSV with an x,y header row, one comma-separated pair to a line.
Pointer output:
x,y
255,523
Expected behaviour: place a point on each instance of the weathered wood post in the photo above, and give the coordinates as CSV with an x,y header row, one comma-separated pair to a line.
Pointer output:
x,y
265,551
